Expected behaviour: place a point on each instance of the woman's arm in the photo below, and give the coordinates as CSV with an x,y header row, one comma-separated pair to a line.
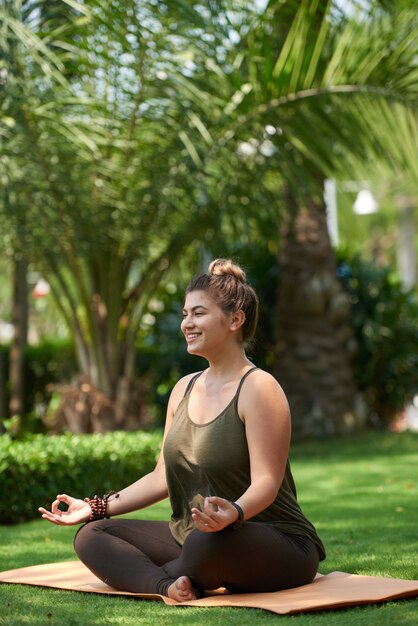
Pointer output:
x,y
263,407
152,487
148,490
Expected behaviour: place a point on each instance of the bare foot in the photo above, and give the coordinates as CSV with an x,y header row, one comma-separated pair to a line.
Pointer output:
x,y
182,590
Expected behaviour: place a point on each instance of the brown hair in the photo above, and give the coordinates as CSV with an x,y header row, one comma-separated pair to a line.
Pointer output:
x,y
226,283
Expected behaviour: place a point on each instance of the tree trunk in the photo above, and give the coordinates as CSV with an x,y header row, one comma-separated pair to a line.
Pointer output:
x,y
17,349
314,341
87,405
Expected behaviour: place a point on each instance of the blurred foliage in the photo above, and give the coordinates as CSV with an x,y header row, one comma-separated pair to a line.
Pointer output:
x,y
34,470
134,131
5,286
100,190
48,363
384,317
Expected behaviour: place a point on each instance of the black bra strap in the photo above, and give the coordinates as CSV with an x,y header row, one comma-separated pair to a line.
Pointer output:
x,y
241,382
191,383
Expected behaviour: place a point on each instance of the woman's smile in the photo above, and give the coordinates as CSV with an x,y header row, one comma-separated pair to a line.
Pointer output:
x,y
190,337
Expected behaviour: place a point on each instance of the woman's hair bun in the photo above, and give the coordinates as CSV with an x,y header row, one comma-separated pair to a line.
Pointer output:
x,y
225,267
226,283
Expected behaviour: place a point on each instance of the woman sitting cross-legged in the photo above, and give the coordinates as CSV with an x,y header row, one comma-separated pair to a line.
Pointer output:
x,y
235,520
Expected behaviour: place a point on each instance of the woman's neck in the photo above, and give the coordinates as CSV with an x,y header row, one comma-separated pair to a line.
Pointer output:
x,y
228,366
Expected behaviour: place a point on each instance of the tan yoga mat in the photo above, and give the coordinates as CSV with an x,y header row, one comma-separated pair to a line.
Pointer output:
x,y
330,591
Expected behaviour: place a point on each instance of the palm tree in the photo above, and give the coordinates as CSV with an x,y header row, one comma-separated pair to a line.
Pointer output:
x,y
169,120
314,342
311,93
98,180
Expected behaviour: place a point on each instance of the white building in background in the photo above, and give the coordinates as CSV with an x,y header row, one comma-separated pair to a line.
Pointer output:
x,y
365,204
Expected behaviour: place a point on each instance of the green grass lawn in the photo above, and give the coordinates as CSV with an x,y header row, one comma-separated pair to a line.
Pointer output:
x,y
361,493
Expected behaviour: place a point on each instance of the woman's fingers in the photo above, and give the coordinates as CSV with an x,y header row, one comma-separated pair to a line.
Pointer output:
x,y
68,500
50,517
55,515
216,502
208,520
217,514
54,507
200,519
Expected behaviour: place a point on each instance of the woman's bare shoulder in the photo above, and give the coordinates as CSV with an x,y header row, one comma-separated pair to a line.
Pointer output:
x,y
179,389
260,379
261,388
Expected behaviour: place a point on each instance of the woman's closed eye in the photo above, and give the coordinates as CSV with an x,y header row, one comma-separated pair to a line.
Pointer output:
x,y
195,313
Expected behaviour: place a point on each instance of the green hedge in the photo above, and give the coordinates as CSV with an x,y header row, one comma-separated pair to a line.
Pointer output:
x,y
34,470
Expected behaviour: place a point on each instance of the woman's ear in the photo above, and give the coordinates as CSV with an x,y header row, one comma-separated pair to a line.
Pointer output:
x,y
237,320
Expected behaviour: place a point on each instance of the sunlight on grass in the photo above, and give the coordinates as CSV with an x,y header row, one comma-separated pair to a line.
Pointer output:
x,y
361,493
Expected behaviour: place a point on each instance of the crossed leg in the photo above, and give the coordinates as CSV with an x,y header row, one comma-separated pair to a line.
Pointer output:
x,y
143,557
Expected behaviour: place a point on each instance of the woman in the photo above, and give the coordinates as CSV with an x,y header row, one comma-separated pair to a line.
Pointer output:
x,y
224,464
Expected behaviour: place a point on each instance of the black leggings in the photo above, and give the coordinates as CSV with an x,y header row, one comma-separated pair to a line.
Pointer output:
x,y
143,557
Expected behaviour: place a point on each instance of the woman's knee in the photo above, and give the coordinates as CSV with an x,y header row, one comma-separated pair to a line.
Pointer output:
x,y
85,537
79,538
201,547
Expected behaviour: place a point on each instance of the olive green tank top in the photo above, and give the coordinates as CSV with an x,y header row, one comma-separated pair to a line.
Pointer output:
x,y
212,459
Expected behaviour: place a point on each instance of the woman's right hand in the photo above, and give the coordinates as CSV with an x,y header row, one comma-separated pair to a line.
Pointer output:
x,y
78,511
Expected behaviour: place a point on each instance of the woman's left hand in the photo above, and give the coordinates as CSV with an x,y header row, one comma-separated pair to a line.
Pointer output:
x,y
216,515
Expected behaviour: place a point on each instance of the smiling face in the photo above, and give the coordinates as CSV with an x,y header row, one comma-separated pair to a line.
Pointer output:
x,y
205,326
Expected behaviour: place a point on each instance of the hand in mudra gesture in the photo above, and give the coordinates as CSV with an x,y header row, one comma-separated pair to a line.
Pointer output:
x,y
78,511
216,514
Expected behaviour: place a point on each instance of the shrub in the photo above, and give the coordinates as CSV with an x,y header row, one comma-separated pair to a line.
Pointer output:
x,y
35,469
384,317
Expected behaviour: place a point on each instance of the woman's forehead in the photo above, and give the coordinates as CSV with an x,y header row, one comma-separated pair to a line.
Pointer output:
x,y
198,298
